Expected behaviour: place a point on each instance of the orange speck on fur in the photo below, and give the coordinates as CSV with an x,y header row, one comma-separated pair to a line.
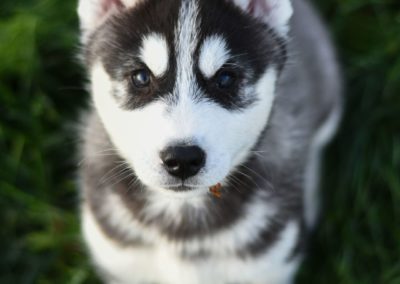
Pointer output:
x,y
216,190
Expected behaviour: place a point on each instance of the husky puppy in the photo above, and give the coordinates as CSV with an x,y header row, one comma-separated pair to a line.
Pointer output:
x,y
201,151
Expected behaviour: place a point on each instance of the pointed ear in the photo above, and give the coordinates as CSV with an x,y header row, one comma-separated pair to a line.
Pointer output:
x,y
93,12
276,13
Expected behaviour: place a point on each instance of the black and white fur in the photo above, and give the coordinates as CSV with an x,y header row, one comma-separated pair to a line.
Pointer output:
x,y
261,137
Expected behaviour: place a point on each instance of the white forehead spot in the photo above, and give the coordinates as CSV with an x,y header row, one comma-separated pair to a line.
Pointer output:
x,y
213,55
154,53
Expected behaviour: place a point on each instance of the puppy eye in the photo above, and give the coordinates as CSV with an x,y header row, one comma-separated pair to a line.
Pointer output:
x,y
141,78
225,79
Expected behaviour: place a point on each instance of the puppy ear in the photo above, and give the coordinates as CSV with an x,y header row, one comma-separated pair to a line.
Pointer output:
x,y
93,12
276,13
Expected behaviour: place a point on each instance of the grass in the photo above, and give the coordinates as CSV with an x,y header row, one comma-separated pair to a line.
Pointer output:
x,y
41,96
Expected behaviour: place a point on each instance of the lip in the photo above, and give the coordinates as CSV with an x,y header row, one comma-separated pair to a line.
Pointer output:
x,y
182,188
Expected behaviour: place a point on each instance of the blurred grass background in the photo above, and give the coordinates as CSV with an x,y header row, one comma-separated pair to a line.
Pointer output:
x,y
41,96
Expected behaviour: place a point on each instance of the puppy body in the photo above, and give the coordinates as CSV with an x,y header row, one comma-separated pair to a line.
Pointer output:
x,y
261,137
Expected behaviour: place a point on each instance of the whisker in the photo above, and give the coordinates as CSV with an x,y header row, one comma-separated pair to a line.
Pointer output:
x,y
263,178
237,183
132,184
248,177
127,175
119,168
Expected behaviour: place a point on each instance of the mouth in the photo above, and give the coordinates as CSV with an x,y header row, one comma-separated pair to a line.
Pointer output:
x,y
181,188
215,190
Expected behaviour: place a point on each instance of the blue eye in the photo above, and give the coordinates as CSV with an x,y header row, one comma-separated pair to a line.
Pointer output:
x,y
141,78
225,79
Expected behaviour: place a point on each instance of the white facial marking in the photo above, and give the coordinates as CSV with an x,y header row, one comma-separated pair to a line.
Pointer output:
x,y
155,54
185,45
213,55
257,114
123,126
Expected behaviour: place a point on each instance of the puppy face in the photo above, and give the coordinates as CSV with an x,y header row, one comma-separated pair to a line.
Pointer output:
x,y
184,88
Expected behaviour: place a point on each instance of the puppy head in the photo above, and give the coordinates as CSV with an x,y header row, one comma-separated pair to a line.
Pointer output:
x,y
184,88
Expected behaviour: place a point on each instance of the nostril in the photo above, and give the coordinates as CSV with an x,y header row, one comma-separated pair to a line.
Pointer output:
x,y
171,163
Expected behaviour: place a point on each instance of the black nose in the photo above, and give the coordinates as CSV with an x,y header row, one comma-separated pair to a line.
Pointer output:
x,y
183,161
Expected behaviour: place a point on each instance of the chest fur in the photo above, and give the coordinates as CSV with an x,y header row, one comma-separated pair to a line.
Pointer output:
x,y
162,261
